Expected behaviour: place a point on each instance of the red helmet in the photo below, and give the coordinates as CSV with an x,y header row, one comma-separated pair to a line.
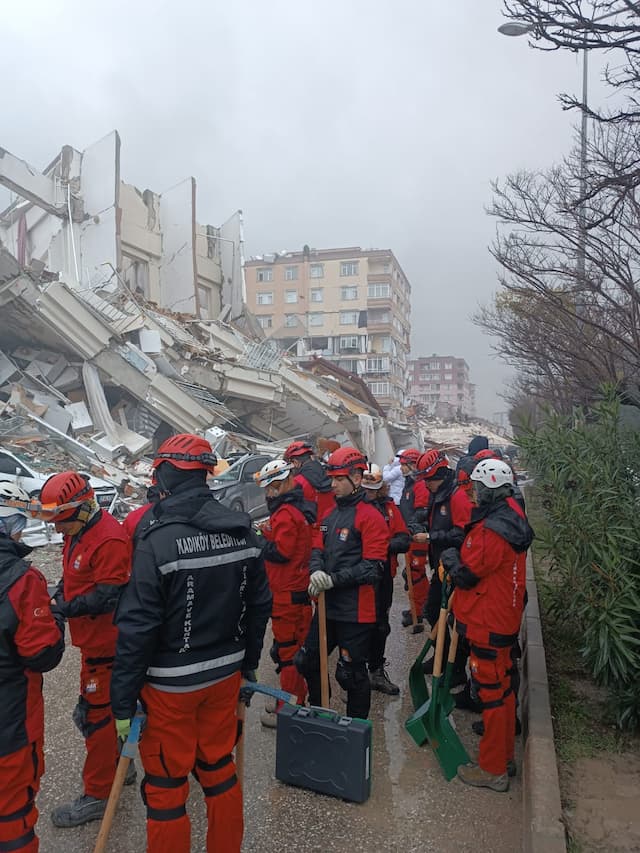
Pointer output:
x,y
297,448
344,460
485,454
186,451
67,487
409,456
432,464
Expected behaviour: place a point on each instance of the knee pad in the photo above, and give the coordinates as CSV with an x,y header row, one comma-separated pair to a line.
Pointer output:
x,y
305,661
351,675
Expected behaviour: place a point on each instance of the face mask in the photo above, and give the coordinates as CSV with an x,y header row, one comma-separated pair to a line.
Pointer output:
x,y
10,525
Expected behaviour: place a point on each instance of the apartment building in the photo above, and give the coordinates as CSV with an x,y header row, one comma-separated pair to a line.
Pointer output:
x,y
351,306
441,385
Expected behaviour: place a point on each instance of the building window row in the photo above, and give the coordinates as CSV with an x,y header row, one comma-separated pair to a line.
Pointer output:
x,y
379,291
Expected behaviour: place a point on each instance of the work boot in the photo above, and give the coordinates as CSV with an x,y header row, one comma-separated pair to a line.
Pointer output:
x,y
473,774
511,768
268,716
379,680
81,810
408,620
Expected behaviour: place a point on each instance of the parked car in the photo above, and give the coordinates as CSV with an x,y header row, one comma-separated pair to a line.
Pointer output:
x,y
236,487
14,468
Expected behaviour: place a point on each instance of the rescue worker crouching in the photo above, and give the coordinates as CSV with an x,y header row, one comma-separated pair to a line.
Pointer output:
x,y
31,642
489,574
96,559
348,567
287,551
376,493
191,624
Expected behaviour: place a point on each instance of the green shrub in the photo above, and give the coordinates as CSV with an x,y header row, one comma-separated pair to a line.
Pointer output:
x,y
587,472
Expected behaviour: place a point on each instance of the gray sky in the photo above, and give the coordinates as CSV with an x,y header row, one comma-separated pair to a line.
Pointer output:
x,y
333,122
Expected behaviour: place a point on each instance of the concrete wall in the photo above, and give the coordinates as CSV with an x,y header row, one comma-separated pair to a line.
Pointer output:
x,y
177,267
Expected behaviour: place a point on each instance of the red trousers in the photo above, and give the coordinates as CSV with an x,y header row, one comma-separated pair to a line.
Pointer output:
x,y
101,739
20,774
490,673
290,624
187,732
416,559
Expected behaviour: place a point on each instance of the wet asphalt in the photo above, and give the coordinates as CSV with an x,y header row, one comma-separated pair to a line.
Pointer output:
x,y
411,808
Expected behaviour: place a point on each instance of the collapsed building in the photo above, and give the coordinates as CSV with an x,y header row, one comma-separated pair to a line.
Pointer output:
x,y
123,320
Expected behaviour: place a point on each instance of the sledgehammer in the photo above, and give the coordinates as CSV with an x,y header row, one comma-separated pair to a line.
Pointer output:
x,y
127,754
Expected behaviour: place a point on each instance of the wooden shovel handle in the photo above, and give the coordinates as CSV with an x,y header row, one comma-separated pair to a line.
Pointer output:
x,y
442,630
453,647
324,662
412,600
112,804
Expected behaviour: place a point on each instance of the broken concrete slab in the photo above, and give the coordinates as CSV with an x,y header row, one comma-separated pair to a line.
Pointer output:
x,y
81,421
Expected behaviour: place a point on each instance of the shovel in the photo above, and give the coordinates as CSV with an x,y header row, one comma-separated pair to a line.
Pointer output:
x,y
417,681
324,657
448,702
430,722
416,627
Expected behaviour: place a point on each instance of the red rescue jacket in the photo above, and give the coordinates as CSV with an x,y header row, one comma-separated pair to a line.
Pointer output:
x,y
494,550
99,554
287,551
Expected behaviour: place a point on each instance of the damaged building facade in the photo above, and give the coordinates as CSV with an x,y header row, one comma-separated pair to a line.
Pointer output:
x,y
123,320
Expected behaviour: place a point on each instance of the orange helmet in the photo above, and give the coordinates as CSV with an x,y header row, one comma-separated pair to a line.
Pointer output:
x,y
431,464
297,448
67,487
344,460
409,456
187,452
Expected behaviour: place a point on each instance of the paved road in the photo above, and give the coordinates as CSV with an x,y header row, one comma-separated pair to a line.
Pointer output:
x,y
411,808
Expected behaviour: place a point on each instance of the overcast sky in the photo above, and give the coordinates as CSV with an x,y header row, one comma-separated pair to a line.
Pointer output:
x,y
329,122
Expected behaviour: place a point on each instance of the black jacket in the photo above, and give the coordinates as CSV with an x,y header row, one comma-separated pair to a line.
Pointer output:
x,y
197,604
314,472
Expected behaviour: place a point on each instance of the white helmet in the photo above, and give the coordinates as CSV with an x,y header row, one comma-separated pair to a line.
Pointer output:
x,y
277,469
10,492
492,473
372,477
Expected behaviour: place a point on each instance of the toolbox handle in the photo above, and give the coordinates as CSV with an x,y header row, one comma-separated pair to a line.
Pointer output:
x,y
328,712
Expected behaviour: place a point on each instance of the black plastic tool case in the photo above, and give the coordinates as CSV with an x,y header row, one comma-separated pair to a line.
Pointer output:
x,y
325,752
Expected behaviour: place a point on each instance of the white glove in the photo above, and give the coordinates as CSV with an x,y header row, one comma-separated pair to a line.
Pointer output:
x,y
319,582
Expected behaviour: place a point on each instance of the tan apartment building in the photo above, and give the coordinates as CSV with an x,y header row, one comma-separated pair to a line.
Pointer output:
x,y
351,306
441,385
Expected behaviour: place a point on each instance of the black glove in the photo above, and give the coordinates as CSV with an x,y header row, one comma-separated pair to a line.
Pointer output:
x,y
450,558
461,575
406,582
438,535
245,692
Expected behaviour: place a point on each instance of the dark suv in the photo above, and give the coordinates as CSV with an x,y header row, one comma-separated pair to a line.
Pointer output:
x,y
237,488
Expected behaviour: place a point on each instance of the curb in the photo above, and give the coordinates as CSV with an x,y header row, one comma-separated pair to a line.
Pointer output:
x,y
543,827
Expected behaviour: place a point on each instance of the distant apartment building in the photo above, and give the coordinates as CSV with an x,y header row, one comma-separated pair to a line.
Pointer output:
x,y
440,384
351,306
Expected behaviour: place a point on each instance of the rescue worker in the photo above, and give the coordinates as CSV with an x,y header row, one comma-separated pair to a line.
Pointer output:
x,y
96,559
414,497
311,475
287,551
375,489
132,519
442,526
31,642
190,624
394,478
348,567
489,574
497,454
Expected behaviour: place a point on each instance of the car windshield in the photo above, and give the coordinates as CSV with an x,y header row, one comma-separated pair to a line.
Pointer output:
x,y
232,474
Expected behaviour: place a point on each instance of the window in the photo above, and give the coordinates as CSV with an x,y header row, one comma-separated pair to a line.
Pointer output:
x,y
379,291
448,377
349,268
291,273
348,293
385,343
316,270
316,319
379,389
349,364
264,274
291,320
349,342
266,321
377,365
264,298
316,294
290,296
349,318
385,267
377,317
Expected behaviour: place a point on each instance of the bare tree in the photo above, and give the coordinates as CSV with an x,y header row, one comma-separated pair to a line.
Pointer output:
x,y
567,330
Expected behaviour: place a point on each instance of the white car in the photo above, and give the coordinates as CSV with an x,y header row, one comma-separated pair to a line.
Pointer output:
x,y
20,472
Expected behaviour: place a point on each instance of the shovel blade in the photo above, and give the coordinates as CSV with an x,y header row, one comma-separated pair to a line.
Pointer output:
x,y
443,739
417,681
